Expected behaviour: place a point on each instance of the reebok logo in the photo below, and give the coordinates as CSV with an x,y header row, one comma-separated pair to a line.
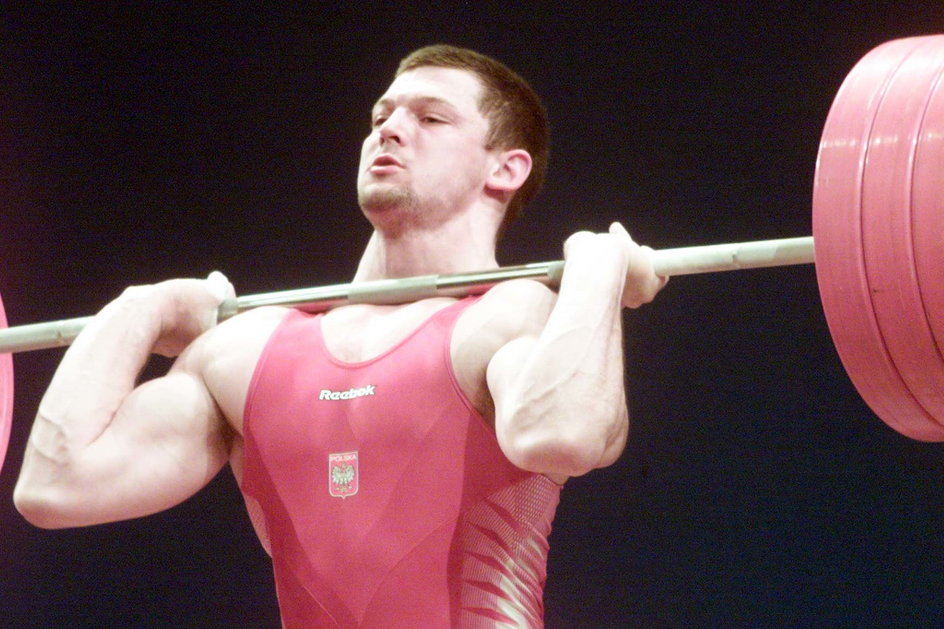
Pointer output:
x,y
350,394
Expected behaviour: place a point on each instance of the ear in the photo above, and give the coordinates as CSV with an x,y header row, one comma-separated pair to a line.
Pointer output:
x,y
509,170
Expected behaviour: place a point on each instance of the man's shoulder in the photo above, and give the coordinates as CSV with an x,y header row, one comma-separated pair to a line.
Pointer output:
x,y
246,328
235,344
225,357
516,306
507,311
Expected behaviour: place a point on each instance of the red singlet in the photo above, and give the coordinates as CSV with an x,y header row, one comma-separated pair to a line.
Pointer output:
x,y
386,498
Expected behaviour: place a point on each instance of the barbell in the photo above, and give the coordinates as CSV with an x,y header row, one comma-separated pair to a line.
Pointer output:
x,y
878,245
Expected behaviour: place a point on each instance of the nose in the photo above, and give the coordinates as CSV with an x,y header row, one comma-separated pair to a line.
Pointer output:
x,y
392,129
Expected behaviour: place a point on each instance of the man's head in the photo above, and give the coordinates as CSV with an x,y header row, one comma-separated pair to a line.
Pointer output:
x,y
517,118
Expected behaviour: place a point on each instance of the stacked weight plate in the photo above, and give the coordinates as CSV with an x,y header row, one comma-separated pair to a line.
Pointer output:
x,y
6,393
877,227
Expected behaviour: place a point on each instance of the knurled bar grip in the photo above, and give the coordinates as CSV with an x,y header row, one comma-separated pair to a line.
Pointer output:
x,y
667,262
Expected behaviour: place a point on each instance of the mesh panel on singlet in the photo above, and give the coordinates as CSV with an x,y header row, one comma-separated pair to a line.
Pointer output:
x,y
504,555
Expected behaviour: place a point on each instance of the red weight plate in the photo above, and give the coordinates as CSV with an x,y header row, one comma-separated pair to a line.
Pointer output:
x,y
6,393
927,209
887,227
840,268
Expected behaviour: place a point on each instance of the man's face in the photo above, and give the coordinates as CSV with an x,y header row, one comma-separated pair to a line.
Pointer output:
x,y
425,154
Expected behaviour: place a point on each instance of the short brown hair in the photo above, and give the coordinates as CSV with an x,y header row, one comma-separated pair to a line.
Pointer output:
x,y
516,116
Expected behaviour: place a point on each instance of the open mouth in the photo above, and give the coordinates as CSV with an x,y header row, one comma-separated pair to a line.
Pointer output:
x,y
385,159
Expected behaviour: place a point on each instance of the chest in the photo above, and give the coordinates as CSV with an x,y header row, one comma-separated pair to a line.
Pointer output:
x,y
311,401
356,334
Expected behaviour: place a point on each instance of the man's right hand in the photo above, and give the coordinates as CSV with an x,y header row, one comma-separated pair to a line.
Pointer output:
x,y
187,308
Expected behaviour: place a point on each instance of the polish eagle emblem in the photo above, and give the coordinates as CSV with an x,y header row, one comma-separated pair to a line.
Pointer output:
x,y
342,474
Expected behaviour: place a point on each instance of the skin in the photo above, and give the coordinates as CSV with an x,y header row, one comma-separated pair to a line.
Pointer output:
x,y
545,369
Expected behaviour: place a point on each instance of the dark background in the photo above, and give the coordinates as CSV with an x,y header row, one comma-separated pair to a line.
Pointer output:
x,y
757,489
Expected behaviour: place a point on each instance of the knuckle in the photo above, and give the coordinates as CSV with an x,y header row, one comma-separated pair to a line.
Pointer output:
x,y
137,293
578,237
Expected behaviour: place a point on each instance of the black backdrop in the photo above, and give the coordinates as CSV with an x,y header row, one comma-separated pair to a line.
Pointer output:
x,y
757,489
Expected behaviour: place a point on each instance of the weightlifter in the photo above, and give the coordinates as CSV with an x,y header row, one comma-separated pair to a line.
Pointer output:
x,y
401,464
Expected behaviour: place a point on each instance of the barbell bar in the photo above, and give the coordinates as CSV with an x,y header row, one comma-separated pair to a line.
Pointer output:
x,y
667,262
878,244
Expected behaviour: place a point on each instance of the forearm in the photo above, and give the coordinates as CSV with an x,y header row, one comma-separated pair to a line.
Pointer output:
x,y
96,373
565,412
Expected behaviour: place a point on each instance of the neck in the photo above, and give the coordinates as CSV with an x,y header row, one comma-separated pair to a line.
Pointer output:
x,y
454,247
